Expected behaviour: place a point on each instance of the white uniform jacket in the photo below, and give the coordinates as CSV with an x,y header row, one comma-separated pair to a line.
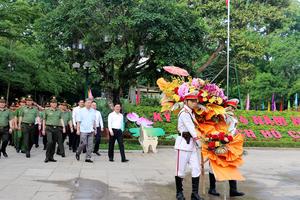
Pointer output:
x,y
186,124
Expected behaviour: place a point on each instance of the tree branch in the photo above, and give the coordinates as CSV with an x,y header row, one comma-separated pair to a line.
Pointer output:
x,y
212,57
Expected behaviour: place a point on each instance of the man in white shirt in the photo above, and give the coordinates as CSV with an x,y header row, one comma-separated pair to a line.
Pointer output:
x,y
187,148
116,127
86,125
74,137
99,129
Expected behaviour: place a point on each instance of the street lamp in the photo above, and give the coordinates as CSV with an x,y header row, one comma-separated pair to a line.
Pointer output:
x,y
11,69
86,66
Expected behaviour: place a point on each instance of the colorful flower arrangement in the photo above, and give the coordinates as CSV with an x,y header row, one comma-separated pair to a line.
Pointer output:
x,y
217,142
175,91
210,112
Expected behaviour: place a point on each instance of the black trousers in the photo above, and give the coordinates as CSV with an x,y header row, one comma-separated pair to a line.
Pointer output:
x,y
118,135
97,139
28,131
36,134
4,137
75,141
45,140
52,138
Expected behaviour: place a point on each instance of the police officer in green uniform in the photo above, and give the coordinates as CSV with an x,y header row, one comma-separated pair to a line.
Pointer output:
x,y
19,135
27,118
53,127
67,117
6,125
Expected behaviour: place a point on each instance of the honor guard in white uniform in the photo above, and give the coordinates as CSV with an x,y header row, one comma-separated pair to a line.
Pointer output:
x,y
231,121
187,148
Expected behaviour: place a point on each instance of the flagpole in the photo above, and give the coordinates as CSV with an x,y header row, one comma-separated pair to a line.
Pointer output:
x,y
228,43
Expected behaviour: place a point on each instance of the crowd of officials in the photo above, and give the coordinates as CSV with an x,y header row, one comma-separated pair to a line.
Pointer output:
x,y
24,121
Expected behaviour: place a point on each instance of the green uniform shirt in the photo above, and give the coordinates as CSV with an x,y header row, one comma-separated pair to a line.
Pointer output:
x,y
67,117
53,117
5,117
18,111
29,114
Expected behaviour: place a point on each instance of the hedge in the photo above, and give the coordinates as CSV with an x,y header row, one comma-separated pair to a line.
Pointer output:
x,y
171,127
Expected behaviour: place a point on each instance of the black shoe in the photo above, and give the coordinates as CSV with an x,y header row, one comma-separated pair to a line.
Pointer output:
x,y
195,196
180,196
213,192
77,156
45,147
236,194
57,153
63,155
27,155
23,151
18,150
125,160
74,150
97,153
4,154
179,188
111,160
195,188
52,160
37,146
46,160
70,148
88,160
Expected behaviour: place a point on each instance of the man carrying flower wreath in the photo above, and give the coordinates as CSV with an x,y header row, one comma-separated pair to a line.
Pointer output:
x,y
231,121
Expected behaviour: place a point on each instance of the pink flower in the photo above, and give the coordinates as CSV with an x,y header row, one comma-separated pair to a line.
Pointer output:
x,y
133,117
183,89
195,82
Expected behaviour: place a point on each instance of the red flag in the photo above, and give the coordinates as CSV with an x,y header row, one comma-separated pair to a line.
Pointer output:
x,y
227,3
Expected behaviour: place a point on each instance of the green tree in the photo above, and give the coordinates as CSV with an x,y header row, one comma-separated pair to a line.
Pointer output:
x,y
124,40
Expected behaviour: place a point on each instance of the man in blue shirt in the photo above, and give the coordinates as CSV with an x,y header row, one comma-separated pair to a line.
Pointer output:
x,y
86,126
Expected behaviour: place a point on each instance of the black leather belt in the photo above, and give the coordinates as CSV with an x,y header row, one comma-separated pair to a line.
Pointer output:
x,y
28,124
53,126
186,135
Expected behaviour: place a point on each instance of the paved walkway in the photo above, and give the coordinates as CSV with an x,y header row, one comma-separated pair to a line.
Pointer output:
x,y
272,174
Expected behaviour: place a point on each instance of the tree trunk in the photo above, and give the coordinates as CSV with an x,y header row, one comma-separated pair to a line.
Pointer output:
x,y
212,58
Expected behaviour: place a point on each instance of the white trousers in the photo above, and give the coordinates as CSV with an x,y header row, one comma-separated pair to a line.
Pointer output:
x,y
183,158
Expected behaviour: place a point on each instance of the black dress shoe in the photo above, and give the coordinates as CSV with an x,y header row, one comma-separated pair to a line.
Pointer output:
x,y
5,154
18,150
111,160
77,156
63,155
213,192
23,151
89,161
46,160
52,160
37,146
125,160
27,155
97,153
44,148
236,194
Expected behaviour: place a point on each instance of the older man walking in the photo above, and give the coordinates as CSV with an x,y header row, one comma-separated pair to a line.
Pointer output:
x,y
86,126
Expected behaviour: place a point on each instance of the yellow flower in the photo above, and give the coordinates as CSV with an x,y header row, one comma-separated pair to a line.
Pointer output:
x,y
204,94
212,99
219,100
176,97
